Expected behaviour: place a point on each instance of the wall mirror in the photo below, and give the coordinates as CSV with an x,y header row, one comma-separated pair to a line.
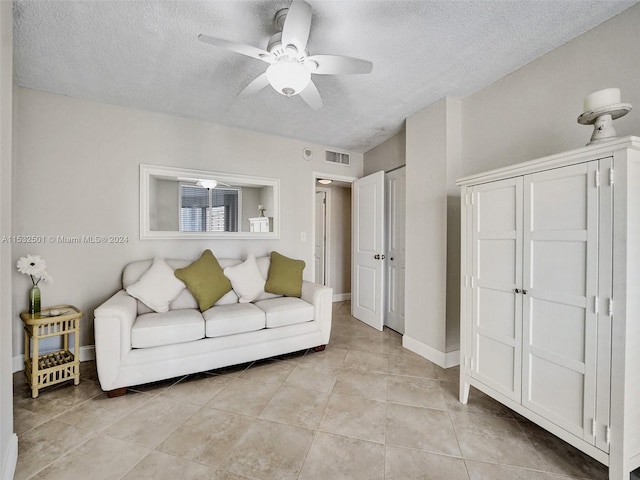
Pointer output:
x,y
179,203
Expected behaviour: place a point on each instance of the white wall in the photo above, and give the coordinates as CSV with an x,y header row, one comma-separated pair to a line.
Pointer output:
x,y
433,164
388,155
77,168
8,440
533,111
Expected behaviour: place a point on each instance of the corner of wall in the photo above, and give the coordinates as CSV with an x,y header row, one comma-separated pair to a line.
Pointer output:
x,y
433,138
10,460
439,357
8,439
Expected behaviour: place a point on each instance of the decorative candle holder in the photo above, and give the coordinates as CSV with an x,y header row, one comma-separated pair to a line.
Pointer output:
x,y
601,108
602,121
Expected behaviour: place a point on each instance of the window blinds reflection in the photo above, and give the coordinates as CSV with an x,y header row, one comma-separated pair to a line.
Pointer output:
x,y
209,210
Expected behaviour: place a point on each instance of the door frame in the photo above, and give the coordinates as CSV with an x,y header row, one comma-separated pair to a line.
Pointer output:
x,y
314,183
327,232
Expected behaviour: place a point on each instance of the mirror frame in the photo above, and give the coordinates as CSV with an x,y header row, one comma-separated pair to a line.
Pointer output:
x,y
148,171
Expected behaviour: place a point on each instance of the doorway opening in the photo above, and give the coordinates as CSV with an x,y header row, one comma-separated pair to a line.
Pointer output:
x,y
332,233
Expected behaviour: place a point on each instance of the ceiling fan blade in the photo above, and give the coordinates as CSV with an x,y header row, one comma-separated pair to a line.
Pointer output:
x,y
337,64
297,25
311,95
255,86
247,50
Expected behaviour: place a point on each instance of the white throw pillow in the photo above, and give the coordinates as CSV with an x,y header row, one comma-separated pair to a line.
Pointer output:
x,y
157,287
246,279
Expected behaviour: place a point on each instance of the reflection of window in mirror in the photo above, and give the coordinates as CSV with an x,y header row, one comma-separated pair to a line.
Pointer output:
x,y
209,209
183,203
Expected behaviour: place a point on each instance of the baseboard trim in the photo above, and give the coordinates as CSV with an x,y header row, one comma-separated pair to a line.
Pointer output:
x,y
18,363
440,358
10,459
87,352
341,297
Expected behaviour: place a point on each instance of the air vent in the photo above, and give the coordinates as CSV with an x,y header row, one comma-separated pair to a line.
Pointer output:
x,y
336,157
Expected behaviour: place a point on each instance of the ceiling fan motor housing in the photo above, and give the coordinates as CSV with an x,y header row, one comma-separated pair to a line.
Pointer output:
x,y
277,49
279,18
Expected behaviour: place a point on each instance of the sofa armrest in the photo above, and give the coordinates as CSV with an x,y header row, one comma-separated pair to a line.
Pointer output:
x,y
321,297
113,321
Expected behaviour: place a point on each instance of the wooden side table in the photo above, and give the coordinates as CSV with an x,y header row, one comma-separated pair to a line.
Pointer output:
x,y
55,367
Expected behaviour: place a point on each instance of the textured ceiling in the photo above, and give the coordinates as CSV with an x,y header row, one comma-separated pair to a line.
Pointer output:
x,y
145,54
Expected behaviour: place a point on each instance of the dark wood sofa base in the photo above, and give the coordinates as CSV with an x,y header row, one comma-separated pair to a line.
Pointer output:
x,y
118,392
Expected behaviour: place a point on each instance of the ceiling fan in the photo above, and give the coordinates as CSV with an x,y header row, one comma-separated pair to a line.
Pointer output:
x,y
208,183
290,65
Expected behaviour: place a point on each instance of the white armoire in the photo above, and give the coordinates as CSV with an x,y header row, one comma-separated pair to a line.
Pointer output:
x,y
550,295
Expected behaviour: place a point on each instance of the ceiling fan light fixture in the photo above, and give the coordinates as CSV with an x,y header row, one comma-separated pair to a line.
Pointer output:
x,y
288,77
207,184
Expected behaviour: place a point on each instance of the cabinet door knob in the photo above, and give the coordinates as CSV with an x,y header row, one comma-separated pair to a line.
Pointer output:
x,y
524,292
376,256
517,290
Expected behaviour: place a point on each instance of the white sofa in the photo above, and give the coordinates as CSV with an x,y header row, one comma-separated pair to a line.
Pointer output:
x,y
135,345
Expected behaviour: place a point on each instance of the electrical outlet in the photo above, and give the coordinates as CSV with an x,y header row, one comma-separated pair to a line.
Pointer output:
x,y
303,236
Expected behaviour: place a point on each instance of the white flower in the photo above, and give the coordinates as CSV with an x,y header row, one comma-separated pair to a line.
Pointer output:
x,y
35,267
32,265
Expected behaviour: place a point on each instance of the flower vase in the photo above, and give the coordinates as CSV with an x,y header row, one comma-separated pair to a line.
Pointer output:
x,y
34,300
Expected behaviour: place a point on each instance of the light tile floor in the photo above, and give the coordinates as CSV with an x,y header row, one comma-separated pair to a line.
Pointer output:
x,y
365,408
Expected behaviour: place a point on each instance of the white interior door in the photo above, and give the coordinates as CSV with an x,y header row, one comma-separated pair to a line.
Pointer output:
x,y
320,237
367,274
395,190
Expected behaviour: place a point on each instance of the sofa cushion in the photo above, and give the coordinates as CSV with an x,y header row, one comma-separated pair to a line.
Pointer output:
x,y
174,326
285,275
157,287
231,319
285,311
246,279
186,300
205,280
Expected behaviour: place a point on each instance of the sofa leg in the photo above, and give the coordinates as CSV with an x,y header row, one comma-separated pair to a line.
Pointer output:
x,y
118,392
319,348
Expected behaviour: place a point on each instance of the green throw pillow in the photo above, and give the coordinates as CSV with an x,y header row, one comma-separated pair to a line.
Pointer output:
x,y
285,276
205,280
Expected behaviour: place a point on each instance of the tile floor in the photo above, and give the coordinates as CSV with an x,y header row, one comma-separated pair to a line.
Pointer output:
x,y
365,408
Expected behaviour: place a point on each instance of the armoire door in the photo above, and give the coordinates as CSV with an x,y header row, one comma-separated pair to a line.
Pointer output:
x,y
559,291
496,278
